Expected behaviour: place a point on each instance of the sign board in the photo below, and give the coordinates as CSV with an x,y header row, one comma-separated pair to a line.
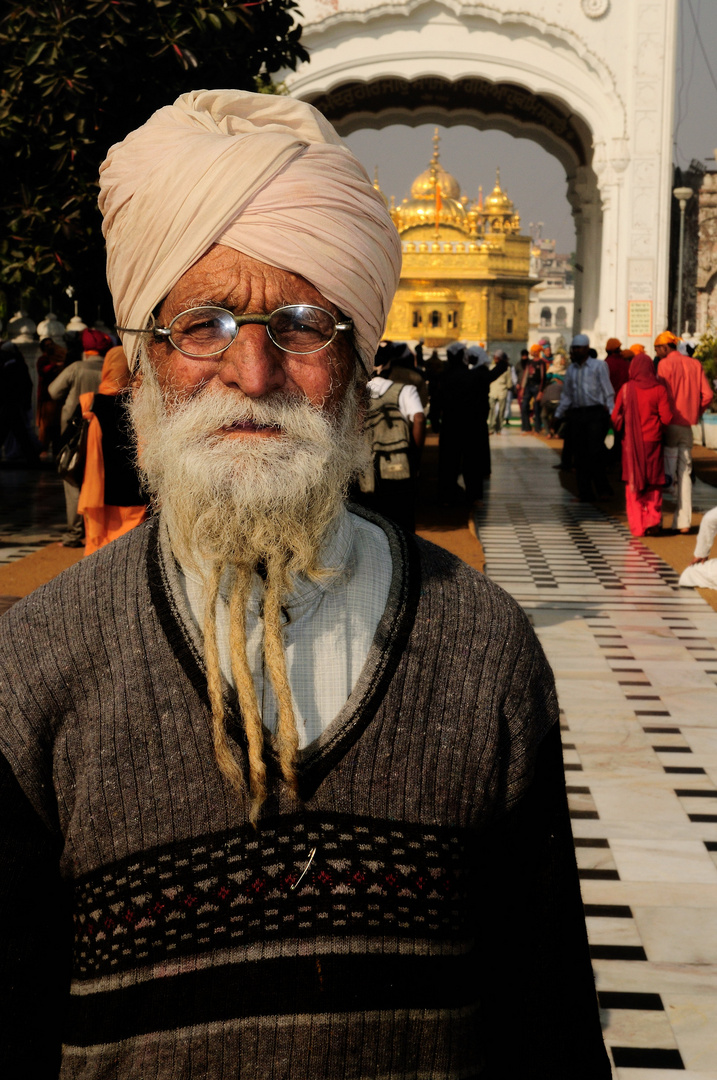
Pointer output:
x,y
639,318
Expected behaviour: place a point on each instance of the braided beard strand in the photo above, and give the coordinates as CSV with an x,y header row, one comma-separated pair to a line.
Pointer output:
x,y
238,504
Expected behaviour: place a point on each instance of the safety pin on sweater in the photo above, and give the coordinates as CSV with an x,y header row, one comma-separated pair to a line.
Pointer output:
x,y
304,871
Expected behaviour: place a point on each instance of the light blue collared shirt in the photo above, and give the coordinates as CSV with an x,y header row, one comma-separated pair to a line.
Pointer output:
x,y
329,630
584,385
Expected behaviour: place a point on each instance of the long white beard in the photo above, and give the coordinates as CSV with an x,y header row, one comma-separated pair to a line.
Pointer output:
x,y
246,503
240,499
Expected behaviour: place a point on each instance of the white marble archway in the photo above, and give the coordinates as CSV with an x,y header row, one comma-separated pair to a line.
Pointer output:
x,y
590,80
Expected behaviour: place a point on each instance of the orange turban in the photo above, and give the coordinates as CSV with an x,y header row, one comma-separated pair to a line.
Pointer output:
x,y
635,349
264,174
535,350
666,338
612,344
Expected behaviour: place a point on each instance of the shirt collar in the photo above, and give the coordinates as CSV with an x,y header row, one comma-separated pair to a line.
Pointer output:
x,y
306,594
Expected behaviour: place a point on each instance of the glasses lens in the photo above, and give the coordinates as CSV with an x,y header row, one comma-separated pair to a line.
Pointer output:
x,y
203,331
299,328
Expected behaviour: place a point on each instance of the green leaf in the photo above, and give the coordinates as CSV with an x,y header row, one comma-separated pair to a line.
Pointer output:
x,y
34,53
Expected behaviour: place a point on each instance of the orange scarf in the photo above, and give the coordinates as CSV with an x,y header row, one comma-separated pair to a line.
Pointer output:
x,y
103,523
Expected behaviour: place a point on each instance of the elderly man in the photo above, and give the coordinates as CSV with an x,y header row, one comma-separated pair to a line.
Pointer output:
x,y
281,785
691,393
587,401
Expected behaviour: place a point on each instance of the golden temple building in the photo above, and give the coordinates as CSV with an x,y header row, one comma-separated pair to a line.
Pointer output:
x,y
465,272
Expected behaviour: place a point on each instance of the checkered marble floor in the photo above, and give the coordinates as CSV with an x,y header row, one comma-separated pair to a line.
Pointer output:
x,y
635,657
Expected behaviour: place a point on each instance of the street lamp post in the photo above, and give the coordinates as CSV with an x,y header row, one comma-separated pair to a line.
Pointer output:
x,y
682,194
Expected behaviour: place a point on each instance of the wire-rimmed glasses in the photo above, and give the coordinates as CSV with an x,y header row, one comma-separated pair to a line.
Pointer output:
x,y
207,331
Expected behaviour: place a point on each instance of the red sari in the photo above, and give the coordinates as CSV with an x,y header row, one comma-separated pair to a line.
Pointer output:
x,y
641,410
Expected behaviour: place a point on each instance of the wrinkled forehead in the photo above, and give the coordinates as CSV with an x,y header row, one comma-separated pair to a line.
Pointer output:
x,y
224,277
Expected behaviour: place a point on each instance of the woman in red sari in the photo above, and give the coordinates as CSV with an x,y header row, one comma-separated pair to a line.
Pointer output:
x,y
642,407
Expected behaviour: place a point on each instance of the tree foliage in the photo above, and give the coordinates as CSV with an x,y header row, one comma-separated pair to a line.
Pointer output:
x,y
76,79
706,353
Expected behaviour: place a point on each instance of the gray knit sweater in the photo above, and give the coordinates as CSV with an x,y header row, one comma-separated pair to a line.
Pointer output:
x,y
435,933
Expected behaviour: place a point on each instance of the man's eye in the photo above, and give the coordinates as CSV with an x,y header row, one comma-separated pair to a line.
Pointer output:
x,y
199,328
202,325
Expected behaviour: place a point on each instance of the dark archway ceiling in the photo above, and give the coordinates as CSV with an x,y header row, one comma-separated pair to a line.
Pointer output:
x,y
392,99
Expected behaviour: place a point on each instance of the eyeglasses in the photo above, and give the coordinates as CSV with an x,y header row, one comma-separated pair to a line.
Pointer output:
x,y
208,331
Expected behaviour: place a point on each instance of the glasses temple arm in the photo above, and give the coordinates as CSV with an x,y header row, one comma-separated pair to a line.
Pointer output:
x,y
160,331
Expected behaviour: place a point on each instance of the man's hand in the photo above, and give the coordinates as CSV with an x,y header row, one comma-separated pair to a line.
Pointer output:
x,y
418,431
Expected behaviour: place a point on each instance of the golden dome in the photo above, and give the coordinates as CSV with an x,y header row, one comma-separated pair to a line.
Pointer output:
x,y
424,186
498,202
434,193
414,212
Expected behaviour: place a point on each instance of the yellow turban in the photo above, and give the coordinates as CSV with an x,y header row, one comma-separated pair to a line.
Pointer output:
x,y
264,174
666,338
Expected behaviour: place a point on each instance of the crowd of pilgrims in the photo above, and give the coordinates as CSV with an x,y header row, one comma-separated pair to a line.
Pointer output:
x,y
79,387
468,397
465,397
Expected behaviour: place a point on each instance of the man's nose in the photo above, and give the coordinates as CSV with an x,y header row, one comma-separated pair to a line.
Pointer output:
x,y
252,363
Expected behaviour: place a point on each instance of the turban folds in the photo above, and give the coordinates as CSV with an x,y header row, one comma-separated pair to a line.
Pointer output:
x,y
666,338
263,174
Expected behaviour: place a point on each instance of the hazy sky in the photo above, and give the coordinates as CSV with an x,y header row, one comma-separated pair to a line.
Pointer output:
x,y
533,178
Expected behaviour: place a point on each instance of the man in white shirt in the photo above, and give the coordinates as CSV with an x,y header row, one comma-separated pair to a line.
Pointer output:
x,y
396,428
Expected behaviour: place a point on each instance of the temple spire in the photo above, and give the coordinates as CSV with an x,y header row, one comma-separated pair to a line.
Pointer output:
x,y
435,159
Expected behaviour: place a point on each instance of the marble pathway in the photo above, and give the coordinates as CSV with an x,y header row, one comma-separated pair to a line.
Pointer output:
x,y
635,657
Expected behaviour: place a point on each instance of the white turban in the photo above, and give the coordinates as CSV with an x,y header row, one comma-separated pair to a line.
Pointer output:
x,y
263,174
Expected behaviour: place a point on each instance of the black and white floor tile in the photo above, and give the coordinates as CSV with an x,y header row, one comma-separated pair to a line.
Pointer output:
x,y
635,657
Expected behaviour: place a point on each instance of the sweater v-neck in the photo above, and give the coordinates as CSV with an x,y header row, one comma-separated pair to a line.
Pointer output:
x,y
392,633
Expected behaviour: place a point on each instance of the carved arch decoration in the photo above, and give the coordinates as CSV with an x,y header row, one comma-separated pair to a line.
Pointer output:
x,y
591,81
472,100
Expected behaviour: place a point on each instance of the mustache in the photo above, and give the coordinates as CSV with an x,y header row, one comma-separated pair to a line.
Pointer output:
x,y
204,415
